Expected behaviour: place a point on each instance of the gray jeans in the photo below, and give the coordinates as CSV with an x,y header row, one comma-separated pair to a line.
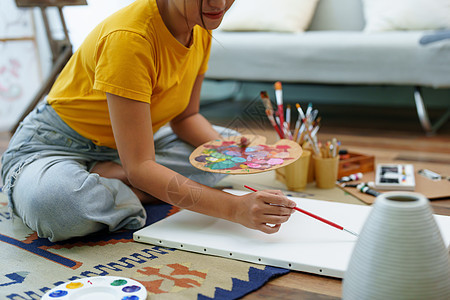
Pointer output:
x,y
46,175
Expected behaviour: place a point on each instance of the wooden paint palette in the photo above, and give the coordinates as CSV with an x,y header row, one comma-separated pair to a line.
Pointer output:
x,y
245,154
102,287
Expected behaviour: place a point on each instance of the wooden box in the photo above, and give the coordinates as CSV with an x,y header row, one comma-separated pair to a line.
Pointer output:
x,y
354,163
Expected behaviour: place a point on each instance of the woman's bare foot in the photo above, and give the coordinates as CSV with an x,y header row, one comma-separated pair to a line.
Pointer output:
x,y
110,169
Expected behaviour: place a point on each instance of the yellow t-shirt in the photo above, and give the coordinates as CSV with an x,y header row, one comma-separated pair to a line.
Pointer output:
x,y
131,54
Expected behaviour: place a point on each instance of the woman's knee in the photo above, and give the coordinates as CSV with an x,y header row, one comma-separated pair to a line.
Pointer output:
x,y
60,220
55,212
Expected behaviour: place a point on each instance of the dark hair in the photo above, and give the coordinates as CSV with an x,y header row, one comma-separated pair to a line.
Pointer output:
x,y
201,13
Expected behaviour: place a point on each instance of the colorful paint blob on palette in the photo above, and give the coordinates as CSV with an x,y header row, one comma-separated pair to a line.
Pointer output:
x,y
102,287
229,155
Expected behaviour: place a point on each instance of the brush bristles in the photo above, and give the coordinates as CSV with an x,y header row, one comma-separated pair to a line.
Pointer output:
x,y
269,113
277,85
266,100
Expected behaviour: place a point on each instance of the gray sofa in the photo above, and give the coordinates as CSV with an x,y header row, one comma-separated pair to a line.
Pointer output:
x,y
333,59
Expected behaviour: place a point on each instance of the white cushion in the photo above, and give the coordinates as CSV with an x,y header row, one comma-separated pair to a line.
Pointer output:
x,y
386,15
269,15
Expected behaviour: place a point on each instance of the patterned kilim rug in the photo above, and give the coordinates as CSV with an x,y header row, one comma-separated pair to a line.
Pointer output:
x,y
30,266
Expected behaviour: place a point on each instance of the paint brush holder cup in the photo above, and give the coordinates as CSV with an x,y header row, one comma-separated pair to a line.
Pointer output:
x,y
326,171
311,175
295,175
400,252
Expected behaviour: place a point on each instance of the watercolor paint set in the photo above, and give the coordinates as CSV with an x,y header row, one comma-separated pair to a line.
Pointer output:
x,y
398,177
102,287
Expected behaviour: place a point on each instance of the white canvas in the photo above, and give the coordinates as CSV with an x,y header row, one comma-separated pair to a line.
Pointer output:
x,y
302,244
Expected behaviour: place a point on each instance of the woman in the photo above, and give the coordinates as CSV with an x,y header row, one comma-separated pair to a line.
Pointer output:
x,y
89,157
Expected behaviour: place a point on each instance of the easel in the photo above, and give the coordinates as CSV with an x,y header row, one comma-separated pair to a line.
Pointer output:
x,y
61,49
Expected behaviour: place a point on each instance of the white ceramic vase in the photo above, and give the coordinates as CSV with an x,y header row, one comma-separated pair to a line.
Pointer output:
x,y
400,253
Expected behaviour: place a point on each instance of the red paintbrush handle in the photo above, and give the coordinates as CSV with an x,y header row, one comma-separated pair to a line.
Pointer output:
x,y
319,218
307,213
280,134
280,114
250,188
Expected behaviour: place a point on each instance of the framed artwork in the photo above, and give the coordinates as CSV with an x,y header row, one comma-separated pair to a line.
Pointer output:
x,y
15,23
19,79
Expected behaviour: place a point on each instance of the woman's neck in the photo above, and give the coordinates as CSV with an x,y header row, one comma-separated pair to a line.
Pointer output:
x,y
175,21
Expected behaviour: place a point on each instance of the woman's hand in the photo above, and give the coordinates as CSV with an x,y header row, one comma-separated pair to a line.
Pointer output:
x,y
264,210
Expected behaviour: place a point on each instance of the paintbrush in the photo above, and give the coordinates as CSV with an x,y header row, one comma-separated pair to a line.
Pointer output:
x,y
287,123
314,216
269,112
301,117
308,110
266,101
279,98
288,115
273,123
282,129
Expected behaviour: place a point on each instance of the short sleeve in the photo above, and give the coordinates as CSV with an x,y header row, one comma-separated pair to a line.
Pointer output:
x,y
125,66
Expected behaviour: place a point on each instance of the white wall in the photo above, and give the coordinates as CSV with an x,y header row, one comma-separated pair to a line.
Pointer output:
x,y
80,20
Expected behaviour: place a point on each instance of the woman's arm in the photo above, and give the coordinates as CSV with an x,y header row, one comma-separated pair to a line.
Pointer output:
x,y
190,125
132,127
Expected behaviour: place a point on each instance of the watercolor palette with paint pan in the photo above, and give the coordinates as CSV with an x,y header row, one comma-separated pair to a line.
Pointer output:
x,y
229,156
102,287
